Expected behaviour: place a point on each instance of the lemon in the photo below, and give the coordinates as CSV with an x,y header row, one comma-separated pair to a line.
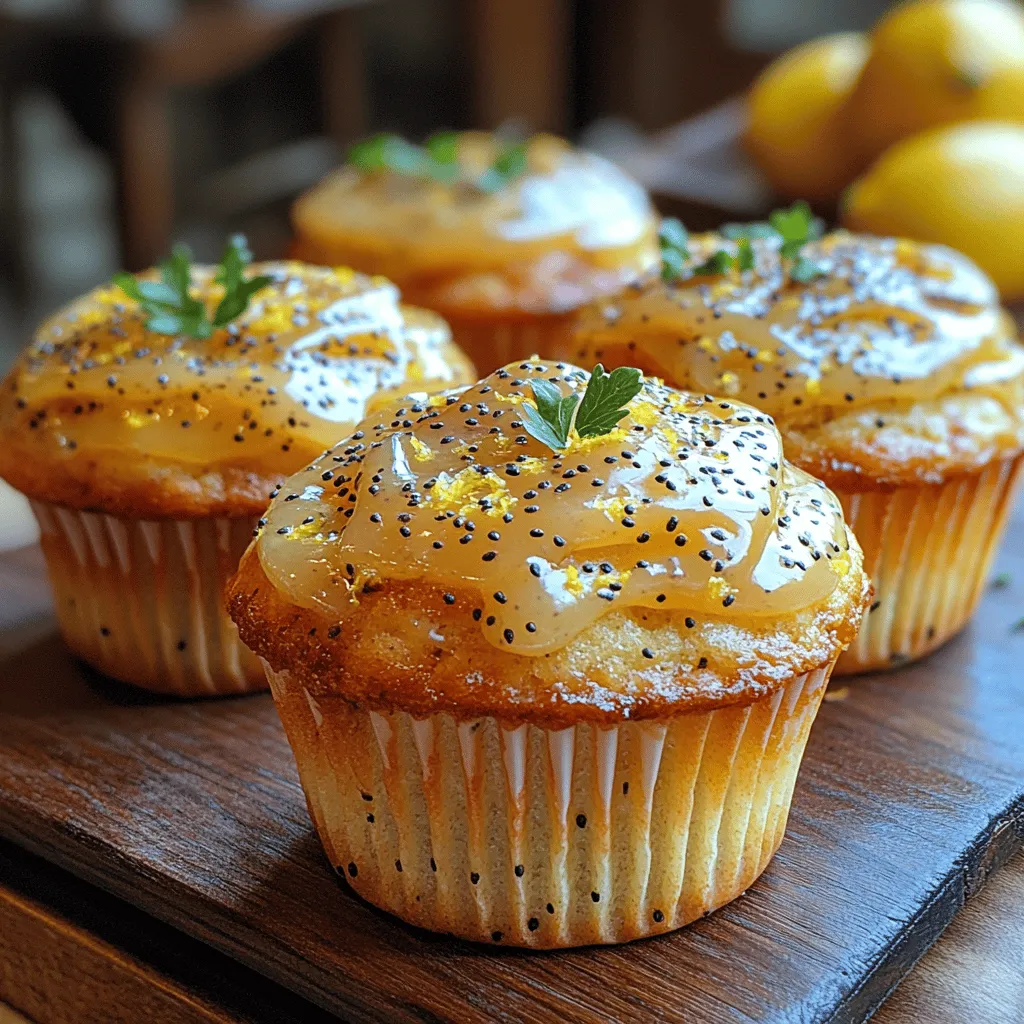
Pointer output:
x,y
937,62
795,127
961,185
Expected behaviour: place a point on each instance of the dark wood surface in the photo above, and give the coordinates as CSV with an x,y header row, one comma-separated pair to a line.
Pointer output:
x,y
912,792
973,973
71,954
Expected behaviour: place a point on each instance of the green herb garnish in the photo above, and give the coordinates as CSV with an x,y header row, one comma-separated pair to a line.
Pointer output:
x,y
744,254
443,148
673,241
755,229
717,263
606,398
804,269
509,164
795,227
169,304
436,159
1001,581
603,404
389,152
551,420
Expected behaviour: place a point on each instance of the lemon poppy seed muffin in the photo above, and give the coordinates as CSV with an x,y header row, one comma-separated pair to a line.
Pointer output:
x,y
551,696
148,457
894,376
504,241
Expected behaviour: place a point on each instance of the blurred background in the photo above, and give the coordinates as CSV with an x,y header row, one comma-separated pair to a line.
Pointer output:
x,y
126,123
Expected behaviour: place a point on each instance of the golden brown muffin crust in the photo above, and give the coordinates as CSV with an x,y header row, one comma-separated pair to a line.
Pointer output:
x,y
601,676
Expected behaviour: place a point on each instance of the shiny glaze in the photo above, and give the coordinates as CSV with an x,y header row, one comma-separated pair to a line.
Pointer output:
x,y
301,365
687,505
573,224
889,321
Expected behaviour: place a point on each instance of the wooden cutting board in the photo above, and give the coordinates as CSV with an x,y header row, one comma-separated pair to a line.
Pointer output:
x,y
912,791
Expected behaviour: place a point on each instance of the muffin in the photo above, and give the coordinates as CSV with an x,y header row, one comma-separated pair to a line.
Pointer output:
x,y
502,239
893,375
148,457
550,686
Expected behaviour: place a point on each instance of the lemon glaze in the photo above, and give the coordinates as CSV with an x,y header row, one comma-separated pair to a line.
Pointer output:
x,y
572,226
300,365
887,322
688,504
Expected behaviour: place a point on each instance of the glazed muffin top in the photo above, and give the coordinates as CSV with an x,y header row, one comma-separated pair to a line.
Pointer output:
x,y
104,412
474,223
884,361
451,555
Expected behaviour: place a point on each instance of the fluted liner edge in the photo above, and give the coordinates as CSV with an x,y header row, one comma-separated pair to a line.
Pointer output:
x,y
143,600
928,551
522,835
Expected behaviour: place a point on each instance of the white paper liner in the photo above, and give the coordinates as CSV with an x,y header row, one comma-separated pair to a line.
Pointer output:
x,y
928,551
142,600
538,837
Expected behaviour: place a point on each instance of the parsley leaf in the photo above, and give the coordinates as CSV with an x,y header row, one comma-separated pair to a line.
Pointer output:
x,y
509,164
672,234
443,150
551,420
237,289
675,252
437,159
796,227
755,229
804,269
674,241
717,263
169,304
744,254
604,403
370,154
388,152
443,147
605,400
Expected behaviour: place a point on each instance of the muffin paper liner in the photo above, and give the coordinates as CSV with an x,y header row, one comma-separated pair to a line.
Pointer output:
x,y
928,551
493,343
522,835
142,600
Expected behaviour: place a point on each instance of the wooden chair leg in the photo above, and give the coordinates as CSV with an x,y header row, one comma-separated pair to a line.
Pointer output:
x,y
519,53
343,77
12,254
145,180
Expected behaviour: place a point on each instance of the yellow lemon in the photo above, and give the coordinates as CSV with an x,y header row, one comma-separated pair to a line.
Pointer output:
x,y
795,128
961,185
936,62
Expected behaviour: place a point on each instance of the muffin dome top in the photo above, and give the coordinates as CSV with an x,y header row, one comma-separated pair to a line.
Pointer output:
x,y
685,514
567,226
882,326
101,412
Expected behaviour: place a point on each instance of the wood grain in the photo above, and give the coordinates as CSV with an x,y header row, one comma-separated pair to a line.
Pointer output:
x,y
70,954
911,794
973,973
